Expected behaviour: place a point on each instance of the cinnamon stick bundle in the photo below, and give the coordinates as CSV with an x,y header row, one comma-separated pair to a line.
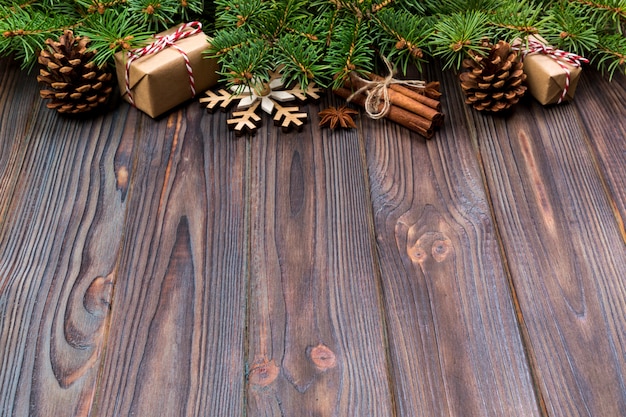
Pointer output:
x,y
405,98
415,95
396,114
407,107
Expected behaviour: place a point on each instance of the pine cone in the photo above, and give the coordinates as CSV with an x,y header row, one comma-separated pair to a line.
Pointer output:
x,y
74,83
493,82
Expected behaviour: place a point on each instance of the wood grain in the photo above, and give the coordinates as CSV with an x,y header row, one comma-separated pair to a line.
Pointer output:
x,y
19,105
165,267
58,249
316,334
176,343
565,253
601,105
455,344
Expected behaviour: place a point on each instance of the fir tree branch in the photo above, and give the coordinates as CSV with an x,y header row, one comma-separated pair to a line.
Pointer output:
x,y
569,29
111,32
518,20
616,8
401,35
300,60
94,6
380,6
8,11
25,30
226,41
248,67
349,50
611,56
459,35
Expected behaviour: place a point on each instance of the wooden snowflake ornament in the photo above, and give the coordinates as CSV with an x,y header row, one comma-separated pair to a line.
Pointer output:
x,y
270,97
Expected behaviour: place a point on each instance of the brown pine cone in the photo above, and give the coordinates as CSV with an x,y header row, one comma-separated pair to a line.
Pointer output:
x,y
493,82
73,82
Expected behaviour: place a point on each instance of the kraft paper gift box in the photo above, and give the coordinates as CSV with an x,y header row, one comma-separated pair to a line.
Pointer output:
x,y
546,78
160,81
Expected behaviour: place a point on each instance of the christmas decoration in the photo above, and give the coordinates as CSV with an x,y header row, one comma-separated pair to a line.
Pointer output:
x,y
552,74
73,83
402,101
326,41
110,25
493,82
342,117
168,71
269,94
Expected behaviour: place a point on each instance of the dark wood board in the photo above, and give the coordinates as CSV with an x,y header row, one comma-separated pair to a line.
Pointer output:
x,y
316,330
455,344
166,267
177,330
565,254
19,106
59,239
601,104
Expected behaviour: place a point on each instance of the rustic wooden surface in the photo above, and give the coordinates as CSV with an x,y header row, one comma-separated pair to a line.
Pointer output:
x,y
165,267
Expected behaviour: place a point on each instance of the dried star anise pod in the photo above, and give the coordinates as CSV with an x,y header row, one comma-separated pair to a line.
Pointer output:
x,y
341,116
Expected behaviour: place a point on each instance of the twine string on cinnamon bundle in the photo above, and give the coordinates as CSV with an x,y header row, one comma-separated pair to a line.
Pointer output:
x,y
402,101
377,91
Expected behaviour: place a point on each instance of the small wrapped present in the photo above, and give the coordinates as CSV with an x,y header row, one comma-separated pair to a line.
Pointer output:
x,y
551,74
167,72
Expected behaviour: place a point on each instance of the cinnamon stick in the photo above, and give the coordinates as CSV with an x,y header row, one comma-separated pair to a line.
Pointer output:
x,y
410,120
407,103
415,95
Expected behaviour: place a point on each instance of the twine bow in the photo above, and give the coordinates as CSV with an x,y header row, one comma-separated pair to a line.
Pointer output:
x,y
378,92
160,43
561,57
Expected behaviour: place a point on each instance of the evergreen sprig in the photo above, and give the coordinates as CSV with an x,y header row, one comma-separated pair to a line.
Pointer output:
x,y
401,36
569,28
110,24
324,40
458,36
23,30
113,31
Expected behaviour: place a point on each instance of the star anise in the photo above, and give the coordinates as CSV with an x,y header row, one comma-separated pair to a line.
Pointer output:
x,y
341,116
432,90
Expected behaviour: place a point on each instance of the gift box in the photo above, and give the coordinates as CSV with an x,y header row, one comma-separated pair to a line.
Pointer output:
x,y
167,72
551,74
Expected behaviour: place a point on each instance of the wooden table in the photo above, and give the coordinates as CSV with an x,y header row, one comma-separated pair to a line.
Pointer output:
x,y
167,268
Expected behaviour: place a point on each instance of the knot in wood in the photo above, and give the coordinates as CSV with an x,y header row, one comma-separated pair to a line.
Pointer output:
x,y
417,253
438,245
322,357
97,298
264,373
441,248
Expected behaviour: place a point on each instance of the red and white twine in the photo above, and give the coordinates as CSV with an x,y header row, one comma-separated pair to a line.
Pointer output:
x,y
160,44
561,58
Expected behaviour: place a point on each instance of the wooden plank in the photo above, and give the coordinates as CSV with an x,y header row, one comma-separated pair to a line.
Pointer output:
x,y
58,249
176,343
17,91
565,254
456,349
601,105
316,335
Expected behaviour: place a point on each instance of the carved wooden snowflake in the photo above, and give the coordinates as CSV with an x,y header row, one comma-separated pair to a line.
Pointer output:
x,y
271,96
